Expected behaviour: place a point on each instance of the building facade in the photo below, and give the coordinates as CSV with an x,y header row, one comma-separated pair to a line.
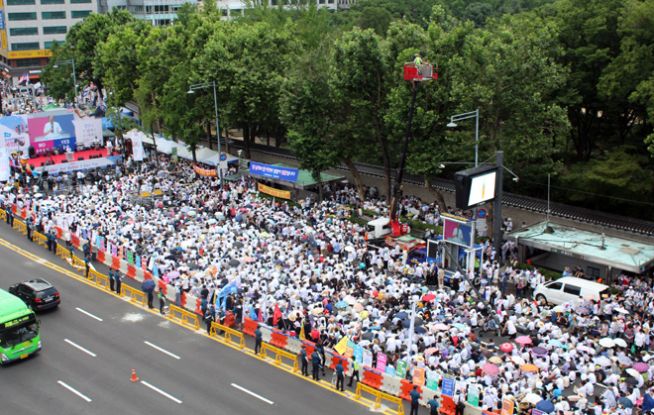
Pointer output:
x,y
30,28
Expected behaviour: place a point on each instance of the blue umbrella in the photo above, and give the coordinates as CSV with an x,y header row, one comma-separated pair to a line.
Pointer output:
x,y
401,315
148,286
626,402
341,304
420,330
459,326
545,405
555,343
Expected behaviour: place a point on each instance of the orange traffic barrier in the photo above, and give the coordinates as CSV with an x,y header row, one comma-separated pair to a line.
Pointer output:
x,y
101,256
379,397
309,346
115,263
134,378
448,407
406,387
250,326
131,272
338,358
278,339
372,378
74,240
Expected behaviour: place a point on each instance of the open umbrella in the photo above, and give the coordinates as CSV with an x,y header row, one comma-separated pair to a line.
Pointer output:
x,y
341,304
633,372
584,348
401,315
626,402
555,343
234,263
545,405
490,369
518,360
430,351
440,327
529,368
641,367
523,340
607,342
625,360
603,361
460,326
539,351
506,347
428,297
496,360
532,398
620,342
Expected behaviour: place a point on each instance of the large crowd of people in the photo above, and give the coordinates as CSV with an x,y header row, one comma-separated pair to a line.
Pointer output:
x,y
308,270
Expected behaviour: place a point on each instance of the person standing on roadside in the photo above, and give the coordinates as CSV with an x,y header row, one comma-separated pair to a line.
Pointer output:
x,y
304,361
112,282
119,280
258,339
162,301
315,365
208,318
415,400
355,372
340,376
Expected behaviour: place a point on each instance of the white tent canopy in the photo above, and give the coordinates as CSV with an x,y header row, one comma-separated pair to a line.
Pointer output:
x,y
203,154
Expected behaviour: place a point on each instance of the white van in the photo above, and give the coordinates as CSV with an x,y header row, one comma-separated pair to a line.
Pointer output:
x,y
378,228
570,290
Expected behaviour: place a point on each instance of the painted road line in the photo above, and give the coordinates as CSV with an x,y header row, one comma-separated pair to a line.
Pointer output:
x,y
76,392
249,392
167,395
162,350
88,314
88,352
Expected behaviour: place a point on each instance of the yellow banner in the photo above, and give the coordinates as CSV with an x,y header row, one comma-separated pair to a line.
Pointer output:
x,y
341,346
282,194
204,172
22,54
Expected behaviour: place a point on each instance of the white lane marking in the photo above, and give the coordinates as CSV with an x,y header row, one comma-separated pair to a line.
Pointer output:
x,y
88,314
241,388
76,392
162,350
167,395
88,352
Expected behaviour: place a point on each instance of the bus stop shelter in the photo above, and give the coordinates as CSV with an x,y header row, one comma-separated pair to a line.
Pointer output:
x,y
556,246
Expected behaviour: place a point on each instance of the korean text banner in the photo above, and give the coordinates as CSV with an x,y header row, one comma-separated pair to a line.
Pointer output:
x,y
287,174
88,130
457,233
282,194
13,130
54,131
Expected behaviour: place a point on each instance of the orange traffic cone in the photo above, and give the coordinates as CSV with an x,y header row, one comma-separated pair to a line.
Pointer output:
x,y
134,378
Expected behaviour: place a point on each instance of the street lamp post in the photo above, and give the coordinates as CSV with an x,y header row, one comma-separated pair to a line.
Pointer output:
x,y
72,63
205,85
465,116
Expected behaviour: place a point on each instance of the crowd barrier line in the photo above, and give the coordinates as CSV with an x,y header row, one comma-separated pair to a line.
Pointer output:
x,y
280,355
3,215
20,226
99,279
40,239
230,335
185,317
134,295
63,253
379,397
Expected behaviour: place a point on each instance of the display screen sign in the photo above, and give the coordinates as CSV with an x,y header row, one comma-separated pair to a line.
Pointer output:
x,y
18,321
482,188
287,174
13,130
54,131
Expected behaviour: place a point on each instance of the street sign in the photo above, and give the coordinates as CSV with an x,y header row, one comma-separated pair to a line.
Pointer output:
x,y
223,156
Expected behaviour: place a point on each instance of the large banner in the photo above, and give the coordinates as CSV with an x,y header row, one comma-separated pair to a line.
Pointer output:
x,y
51,132
282,194
88,130
5,169
287,174
13,130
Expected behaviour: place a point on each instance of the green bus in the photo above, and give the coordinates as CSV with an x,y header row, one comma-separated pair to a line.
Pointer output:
x,y
19,329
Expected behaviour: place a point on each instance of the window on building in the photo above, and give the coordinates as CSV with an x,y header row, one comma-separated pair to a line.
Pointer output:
x,y
80,1
22,63
25,46
50,44
52,1
79,14
53,15
21,16
54,30
23,31
20,2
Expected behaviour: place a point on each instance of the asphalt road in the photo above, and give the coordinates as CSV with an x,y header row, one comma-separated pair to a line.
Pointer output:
x,y
180,371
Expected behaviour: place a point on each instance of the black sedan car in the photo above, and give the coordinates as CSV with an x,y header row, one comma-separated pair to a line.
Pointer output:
x,y
38,294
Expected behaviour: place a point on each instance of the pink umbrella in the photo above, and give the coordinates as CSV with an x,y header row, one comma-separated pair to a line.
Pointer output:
x,y
490,369
428,297
641,367
506,347
430,351
523,340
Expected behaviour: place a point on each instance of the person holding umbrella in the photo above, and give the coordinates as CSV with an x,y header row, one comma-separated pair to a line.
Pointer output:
x,y
148,288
